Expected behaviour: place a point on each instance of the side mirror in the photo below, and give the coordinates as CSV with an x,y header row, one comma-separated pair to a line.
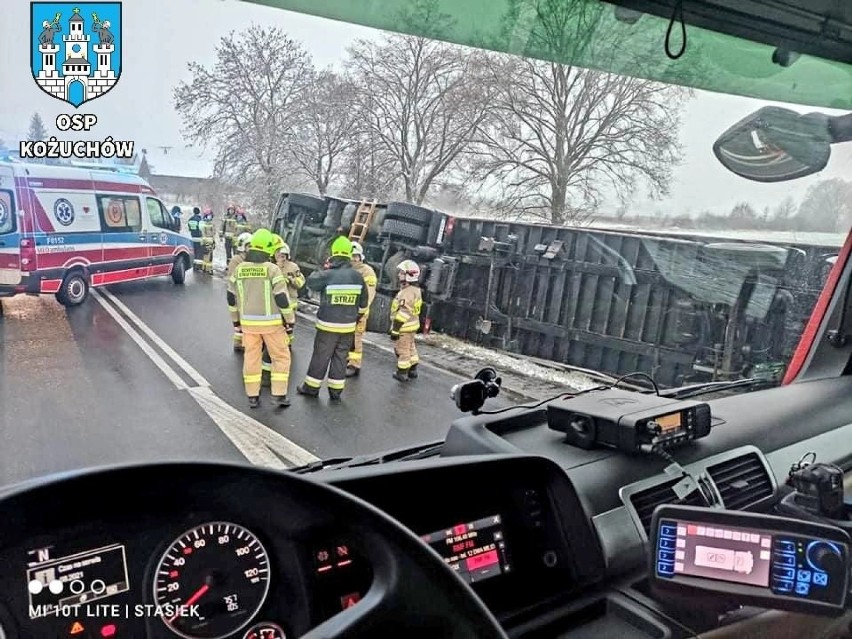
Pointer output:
x,y
775,144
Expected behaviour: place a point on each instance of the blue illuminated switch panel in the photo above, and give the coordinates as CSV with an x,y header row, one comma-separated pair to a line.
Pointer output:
x,y
666,546
794,571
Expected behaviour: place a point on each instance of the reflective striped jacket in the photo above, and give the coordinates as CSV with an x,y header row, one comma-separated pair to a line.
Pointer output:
x,y
405,310
343,297
257,294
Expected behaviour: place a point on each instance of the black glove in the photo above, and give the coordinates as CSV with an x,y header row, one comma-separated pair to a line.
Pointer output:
x,y
394,337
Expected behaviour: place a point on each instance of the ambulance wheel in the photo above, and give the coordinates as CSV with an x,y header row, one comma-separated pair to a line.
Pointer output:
x,y
179,270
74,289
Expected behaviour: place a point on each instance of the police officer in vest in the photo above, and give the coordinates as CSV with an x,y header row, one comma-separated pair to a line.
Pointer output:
x,y
257,295
343,299
194,225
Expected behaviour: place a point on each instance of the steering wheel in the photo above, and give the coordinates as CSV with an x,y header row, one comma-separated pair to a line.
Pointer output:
x,y
411,588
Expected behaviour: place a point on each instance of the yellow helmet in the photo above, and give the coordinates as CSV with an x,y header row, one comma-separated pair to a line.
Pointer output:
x,y
277,245
341,247
263,240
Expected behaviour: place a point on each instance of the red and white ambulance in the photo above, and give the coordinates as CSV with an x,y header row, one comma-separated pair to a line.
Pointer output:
x,y
65,229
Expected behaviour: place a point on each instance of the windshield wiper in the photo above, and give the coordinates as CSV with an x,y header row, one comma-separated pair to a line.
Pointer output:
x,y
712,387
408,453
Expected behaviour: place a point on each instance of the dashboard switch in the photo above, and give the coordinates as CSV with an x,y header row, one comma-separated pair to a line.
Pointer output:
x,y
109,630
550,559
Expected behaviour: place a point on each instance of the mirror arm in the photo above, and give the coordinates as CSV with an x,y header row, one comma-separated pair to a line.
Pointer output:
x,y
840,128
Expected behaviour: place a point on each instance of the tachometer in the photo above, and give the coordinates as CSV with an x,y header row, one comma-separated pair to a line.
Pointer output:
x,y
212,581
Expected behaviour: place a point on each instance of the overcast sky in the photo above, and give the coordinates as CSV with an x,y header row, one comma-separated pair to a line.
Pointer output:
x,y
161,36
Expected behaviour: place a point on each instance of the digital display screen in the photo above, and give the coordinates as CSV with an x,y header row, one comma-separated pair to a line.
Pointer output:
x,y
735,555
476,550
72,580
670,422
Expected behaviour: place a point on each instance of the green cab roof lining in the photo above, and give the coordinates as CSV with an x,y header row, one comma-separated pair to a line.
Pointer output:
x,y
712,61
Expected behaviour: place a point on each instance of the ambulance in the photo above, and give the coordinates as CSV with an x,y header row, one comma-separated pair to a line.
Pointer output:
x,y
65,229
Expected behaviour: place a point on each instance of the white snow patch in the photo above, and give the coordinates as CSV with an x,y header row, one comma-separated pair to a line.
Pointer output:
x,y
511,362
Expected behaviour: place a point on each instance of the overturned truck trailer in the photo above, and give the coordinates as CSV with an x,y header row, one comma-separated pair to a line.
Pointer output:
x,y
684,308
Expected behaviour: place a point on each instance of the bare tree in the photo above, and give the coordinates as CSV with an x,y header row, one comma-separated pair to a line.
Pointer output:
x,y
785,209
326,130
563,136
37,129
246,105
422,103
827,206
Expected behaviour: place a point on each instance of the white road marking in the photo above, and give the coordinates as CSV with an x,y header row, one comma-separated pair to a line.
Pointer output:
x,y
258,436
168,350
259,444
153,355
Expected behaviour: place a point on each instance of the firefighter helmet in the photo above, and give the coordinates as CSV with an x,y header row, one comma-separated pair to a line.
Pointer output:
x,y
410,270
341,247
285,249
243,241
263,240
278,244
357,249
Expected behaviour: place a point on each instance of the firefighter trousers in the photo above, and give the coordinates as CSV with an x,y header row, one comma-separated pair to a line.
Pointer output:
x,y
329,356
406,351
229,248
198,254
207,259
356,355
275,341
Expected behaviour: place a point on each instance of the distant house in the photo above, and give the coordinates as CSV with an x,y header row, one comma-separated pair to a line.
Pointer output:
x,y
188,191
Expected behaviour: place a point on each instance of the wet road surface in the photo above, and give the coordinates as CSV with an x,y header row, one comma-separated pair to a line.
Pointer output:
x,y
145,371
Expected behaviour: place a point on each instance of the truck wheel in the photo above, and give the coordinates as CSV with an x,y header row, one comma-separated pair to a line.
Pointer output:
x,y
378,321
404,230
74,289
179,270
409,213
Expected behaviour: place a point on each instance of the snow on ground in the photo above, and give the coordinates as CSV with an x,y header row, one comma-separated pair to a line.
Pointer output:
x,y
503,361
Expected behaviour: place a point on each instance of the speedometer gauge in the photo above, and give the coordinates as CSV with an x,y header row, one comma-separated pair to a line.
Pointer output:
x,y
212,581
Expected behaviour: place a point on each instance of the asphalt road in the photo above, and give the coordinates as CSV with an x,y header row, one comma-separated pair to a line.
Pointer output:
x,y
145,371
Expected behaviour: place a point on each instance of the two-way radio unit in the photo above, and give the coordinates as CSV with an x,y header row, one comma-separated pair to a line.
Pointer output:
x,y
628,421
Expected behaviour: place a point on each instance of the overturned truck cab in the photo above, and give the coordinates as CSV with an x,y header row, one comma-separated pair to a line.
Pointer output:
x,y
685,307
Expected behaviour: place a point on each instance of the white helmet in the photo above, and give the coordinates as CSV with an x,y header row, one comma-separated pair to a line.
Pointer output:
x,y
243,240
285,249
357,249
410,269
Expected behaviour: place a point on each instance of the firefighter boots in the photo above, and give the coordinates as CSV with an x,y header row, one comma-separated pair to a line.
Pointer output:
x,y
351,371
412,372
401,375
282,400
304,389
254,402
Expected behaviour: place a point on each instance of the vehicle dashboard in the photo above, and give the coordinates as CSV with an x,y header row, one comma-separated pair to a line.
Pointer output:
x,y
552,540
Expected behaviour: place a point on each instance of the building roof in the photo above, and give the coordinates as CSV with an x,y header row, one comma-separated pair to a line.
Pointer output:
x,y
76,17
76,61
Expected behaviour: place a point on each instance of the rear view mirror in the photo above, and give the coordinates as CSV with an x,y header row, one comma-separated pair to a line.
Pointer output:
x,y
776,144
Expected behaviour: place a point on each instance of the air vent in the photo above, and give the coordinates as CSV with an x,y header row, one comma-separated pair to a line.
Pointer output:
x,y
741,481
647,500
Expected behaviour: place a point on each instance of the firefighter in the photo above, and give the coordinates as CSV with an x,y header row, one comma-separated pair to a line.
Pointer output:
x,y
208,241
258,292
291,270
370,280
229,231
241,222
405,320
343,299
194,225
295,281
241,247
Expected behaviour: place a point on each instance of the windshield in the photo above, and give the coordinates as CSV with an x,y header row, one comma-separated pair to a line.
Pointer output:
x,y
535,191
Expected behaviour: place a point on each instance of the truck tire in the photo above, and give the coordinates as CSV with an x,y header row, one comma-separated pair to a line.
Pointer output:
x,y
335,213
348,215
409,213
379,319
404,230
